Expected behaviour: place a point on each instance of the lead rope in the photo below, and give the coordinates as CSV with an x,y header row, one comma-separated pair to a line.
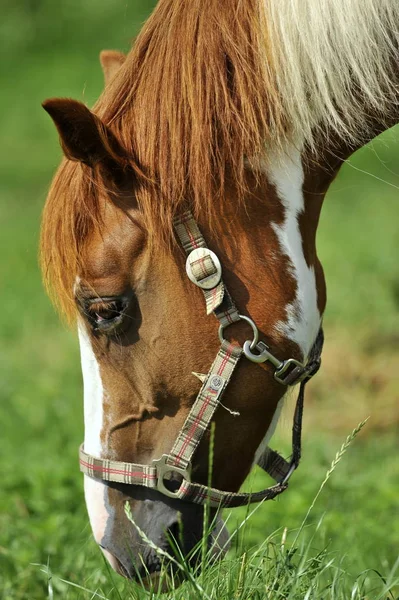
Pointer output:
x,y
204,270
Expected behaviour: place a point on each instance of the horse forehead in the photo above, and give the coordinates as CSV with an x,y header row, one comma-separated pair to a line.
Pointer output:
x,y
113,248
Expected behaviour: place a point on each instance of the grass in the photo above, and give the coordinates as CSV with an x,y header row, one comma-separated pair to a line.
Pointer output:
x,y
351,540
290,564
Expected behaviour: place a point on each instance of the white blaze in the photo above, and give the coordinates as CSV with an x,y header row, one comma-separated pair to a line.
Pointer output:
x,y
303,317
93,420
93,394
302,323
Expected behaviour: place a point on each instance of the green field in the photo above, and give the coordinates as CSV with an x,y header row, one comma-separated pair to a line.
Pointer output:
x,y
51,49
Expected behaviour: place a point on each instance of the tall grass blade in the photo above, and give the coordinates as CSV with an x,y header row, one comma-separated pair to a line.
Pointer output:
x,y
330,471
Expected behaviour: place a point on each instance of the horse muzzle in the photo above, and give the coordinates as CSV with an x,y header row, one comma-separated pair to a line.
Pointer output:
x,y
154,533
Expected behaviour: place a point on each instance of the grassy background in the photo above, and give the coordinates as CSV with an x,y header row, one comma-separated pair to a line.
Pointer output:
x,y
51,49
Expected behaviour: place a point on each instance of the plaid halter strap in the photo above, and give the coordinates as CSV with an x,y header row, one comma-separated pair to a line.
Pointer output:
x,y
171,474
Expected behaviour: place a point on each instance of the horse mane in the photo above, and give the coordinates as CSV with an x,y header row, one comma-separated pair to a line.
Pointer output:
x,y
207,88
335,64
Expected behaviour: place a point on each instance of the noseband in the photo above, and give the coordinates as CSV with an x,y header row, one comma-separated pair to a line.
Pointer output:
x,y
204,270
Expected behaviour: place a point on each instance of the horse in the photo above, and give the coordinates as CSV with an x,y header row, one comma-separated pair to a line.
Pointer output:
x,y
213,144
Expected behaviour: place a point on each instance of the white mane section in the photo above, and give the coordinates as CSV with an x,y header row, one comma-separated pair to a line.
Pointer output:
x,y
331,61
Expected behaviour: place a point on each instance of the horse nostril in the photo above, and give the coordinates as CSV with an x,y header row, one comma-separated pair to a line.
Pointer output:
x,y
183,540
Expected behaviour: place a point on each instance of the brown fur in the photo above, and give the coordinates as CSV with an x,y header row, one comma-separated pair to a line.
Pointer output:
x,y
148,374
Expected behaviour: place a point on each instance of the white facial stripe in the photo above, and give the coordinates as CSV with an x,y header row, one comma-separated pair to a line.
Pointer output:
x,y
95,503
93,419
303,317
93,394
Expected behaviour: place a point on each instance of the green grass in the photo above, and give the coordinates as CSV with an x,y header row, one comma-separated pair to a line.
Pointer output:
x,y
51,49
345,539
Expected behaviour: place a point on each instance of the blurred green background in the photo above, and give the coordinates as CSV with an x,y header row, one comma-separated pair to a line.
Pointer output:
x,y
51,49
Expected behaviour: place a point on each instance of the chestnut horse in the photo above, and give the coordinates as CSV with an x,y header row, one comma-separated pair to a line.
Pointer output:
x,y
241,112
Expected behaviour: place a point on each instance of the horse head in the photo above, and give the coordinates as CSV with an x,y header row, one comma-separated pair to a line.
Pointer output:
x,y
182,126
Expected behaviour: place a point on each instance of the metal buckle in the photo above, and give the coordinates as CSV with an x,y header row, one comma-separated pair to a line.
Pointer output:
x,y
286,366
210,281
162,468
254,342
281,366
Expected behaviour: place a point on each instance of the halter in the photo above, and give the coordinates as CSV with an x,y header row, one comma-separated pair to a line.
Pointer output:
x,y
204,270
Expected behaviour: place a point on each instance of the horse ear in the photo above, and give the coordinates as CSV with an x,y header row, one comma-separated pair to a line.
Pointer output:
x,y
111,61
83,136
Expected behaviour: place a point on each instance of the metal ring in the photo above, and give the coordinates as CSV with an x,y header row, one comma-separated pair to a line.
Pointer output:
x,y
250,322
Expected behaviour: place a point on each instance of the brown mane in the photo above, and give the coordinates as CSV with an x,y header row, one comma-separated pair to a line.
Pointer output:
x,y
193,101
191,104
71,213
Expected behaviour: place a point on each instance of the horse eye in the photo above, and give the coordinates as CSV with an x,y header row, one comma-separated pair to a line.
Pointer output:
x,y
108,311
105,314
